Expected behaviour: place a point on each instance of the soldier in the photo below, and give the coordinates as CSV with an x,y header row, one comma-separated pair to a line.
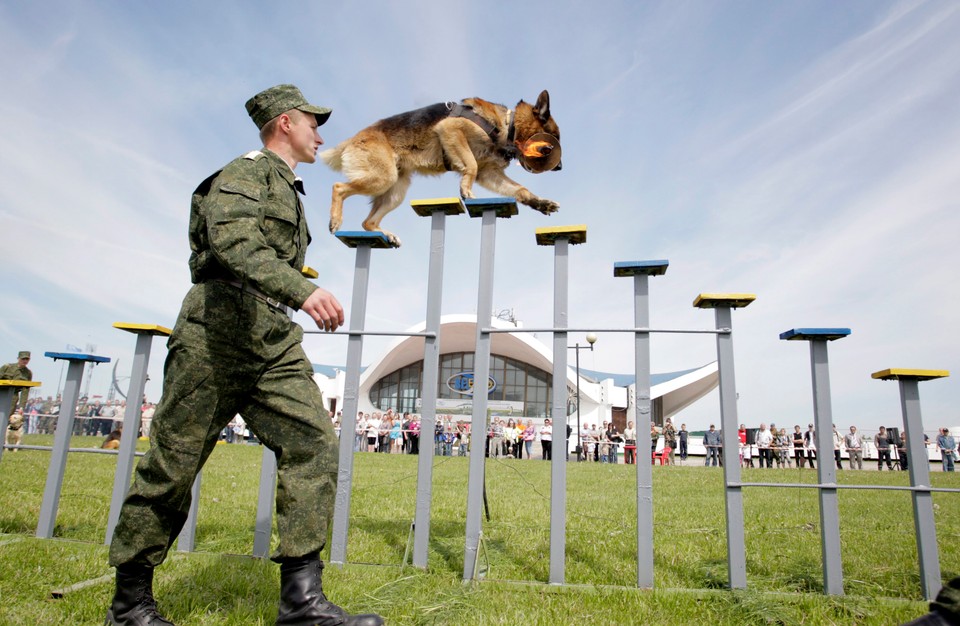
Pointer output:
x,y
18,371
234,350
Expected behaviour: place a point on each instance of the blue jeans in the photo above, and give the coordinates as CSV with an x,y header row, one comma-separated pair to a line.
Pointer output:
x,y
714,454
948,462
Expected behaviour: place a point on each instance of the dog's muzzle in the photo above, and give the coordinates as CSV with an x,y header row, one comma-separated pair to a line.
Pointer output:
x,y
540,153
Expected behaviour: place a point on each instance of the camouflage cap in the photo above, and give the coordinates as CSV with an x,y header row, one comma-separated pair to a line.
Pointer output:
x,y
23,354
271,102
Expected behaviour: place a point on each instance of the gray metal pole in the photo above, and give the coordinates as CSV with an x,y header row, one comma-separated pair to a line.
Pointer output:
x,y
187,539
736,542
559,446
131,428
826,470
641,315
61,443
265,502
428,402
351,400
919,469
481,376
6,401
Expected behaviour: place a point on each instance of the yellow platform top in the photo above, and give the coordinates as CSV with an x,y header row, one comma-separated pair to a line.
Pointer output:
x,y
574,234
309,272
19,383
429,206
143,329
715,300
898,373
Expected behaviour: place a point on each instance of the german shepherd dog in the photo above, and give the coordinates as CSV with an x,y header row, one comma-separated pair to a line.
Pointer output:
x,y
476,138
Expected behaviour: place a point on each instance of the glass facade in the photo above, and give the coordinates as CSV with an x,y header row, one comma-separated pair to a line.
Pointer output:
x,y
526,390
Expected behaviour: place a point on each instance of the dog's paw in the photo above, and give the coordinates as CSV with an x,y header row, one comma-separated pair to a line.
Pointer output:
x,y
335,225
466,194
544,206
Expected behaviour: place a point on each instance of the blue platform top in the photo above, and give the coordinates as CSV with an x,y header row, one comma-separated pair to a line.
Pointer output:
x,y
645,268
354,238
829,334
75,356
505,207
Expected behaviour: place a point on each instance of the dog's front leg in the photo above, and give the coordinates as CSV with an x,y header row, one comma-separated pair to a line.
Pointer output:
x,y
495,180
459,155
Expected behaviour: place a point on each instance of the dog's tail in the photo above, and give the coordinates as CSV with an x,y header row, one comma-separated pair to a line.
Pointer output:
x,y
334,157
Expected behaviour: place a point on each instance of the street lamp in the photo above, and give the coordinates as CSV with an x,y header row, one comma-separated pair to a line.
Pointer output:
x,y
591,339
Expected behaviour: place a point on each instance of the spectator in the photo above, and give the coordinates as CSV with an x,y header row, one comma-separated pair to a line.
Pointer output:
x,y
683,437
765,445
529,436
396,437
783,448
146,419
948,449
902,451
496,437
854,444
712,442
654,436
670,439
837,442
810,444
883,449
546,439
630,444
798,446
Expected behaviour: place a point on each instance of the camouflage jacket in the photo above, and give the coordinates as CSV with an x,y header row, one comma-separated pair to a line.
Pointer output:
x,y
247,223
12,371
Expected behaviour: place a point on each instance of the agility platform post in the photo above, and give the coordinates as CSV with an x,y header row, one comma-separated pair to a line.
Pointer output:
x,y
826,470
131,416
488,209
363,242
61,439
923,521
437,209
723,305
561,238
641,272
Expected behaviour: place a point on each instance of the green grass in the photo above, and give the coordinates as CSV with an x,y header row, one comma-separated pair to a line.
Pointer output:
x,y
219,585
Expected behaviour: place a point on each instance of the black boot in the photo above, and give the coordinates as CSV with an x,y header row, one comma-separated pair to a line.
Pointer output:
x,y
302,602
133,603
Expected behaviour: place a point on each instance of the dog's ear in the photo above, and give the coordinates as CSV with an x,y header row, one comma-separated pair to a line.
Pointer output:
x,y
542,108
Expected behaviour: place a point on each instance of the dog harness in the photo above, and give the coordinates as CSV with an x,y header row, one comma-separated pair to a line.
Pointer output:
x,y
508,152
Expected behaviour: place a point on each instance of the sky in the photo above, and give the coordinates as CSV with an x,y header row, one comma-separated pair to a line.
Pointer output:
x,y
802,151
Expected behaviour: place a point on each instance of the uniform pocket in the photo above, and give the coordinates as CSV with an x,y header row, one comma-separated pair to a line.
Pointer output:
x,y
280,227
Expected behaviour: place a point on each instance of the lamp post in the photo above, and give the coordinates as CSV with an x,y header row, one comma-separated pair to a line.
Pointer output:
x,y
591,339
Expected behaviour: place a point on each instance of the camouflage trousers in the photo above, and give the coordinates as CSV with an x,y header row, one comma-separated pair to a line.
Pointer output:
x,y
230,353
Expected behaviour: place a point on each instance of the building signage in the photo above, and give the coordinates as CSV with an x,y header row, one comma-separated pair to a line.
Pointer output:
x,y
463,383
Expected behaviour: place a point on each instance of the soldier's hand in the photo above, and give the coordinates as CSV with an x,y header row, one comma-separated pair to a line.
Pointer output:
x,y
325,310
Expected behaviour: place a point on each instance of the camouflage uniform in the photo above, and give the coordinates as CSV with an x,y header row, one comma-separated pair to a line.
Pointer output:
x,y
234,350
13,371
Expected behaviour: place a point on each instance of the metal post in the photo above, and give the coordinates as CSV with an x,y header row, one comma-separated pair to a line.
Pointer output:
x,y
641,271
363,242
438,210
488,211
576,348
919,469
131,419
187,539
61,439
265,501
559,447
826,470
923,521
733,494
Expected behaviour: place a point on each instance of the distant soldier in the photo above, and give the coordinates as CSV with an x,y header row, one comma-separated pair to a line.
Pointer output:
x,y
18,371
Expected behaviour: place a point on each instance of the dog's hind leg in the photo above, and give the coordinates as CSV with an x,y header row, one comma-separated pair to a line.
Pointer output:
x,y
369,174
383,204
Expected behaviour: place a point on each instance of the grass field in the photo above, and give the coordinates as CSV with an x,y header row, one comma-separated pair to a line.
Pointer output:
x,y
219,585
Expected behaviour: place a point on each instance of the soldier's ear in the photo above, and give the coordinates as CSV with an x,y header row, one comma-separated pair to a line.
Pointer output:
x,y
542,107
